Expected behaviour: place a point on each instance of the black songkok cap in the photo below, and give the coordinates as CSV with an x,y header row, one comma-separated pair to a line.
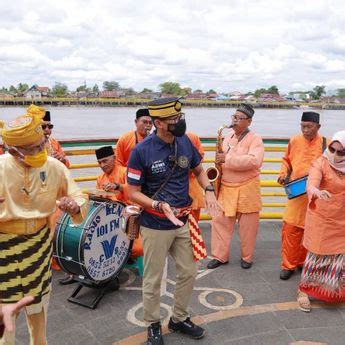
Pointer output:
x,y
104,151
246,109
47,116
142,112
310,116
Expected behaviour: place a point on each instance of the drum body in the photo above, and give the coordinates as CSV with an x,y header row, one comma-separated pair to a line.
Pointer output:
x,y
95,249
296,187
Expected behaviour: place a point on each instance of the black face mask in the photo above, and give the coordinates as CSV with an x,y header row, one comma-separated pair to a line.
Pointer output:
x,y
178,129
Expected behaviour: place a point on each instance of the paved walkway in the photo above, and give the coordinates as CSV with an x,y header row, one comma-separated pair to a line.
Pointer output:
x,y
236,306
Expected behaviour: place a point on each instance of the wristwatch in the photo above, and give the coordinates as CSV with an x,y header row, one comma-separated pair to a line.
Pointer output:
x,y
209,188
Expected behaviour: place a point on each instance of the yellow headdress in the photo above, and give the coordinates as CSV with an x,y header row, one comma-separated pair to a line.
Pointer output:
x,y
165,107
25,129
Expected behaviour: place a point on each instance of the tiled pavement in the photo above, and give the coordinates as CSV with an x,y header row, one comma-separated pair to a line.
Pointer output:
x,y
265,310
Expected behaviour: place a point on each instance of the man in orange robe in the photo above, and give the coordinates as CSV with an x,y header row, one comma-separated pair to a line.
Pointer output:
x,y
127,141
113,180
1,151
240,196
54,148
302,150
195,190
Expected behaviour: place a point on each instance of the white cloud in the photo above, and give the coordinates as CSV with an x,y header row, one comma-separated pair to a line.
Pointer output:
x,y
237,45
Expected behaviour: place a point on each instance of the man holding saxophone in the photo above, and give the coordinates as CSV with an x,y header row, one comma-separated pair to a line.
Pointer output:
x,y
240,160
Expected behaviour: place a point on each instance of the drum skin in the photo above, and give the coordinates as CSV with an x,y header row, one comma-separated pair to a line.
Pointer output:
x,y
97,249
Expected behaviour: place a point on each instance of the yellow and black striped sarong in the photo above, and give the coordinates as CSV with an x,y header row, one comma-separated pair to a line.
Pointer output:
x,y
25,266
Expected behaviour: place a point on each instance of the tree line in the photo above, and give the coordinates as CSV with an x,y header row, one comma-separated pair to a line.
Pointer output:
x,y
168,87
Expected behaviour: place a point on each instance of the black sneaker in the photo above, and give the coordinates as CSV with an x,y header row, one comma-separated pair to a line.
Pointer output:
x,y
187,327
154,334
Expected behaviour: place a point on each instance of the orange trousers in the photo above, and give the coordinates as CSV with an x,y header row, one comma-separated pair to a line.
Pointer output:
x,y
223,230
293,253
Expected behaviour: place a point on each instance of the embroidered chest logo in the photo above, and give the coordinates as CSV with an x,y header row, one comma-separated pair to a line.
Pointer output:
x,y
158,167
183,162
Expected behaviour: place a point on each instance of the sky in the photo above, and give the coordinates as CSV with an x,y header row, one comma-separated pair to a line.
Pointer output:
x,y
225,45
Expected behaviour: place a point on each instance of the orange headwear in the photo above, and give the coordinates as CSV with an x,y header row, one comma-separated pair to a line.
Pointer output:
x,y
25,129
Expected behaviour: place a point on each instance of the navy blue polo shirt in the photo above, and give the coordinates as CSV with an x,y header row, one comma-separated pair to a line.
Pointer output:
x,y
149,164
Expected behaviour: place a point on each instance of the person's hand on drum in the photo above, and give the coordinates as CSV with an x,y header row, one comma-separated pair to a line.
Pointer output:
x,y
68,205
111,187
166,209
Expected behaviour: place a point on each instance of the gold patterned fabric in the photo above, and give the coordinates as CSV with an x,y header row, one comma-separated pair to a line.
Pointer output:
x,y
25,129
242,197
31,193
25,267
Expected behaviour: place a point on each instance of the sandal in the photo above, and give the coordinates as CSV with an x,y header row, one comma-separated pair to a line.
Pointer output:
x,y
303,301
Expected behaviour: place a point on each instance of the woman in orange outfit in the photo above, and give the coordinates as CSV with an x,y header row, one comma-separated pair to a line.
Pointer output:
x,y
323,275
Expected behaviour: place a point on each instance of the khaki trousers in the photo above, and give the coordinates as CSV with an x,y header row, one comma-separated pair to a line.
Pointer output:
x,y
223,230
157,244
293,252
37,328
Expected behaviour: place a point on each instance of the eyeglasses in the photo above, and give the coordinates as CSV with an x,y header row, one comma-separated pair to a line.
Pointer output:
x,y
333,150
238,118
51,126
147,122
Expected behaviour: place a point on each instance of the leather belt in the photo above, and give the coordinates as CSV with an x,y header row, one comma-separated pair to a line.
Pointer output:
x,y
22,226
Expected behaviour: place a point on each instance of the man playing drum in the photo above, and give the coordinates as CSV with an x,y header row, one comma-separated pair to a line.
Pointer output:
x,y
158,180
31,184
113,180
302,150
127,141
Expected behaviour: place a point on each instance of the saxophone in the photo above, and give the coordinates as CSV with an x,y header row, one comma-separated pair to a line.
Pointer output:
x,y
214,174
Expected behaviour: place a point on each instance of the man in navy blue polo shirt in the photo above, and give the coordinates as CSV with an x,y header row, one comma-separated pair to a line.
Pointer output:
x,y
158,180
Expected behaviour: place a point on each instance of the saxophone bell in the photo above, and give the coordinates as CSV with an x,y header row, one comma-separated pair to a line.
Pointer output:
x,y
212,173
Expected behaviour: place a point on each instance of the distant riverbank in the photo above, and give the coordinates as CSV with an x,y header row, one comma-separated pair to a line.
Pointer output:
x,y
137,102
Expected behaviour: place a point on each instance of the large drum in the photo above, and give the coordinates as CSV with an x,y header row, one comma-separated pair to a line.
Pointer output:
x,y
96,249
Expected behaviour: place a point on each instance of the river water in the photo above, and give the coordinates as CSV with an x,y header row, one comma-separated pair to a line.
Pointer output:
x,y
111,122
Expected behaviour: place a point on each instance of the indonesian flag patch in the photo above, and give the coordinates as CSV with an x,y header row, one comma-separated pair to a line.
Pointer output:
x,y
134,174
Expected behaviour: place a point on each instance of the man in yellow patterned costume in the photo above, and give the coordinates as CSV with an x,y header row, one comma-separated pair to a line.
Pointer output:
x,y
31,185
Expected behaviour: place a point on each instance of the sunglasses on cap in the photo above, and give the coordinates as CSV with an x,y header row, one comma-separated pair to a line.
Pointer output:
x,y
333,150
51,126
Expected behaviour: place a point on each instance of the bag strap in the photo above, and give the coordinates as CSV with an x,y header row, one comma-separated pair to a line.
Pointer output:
x,y
169,175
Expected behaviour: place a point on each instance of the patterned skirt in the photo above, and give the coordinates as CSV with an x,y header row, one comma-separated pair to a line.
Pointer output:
x,y
25,268
323,277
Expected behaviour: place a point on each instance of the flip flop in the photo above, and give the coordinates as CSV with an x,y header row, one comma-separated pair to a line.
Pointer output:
x,y
303,302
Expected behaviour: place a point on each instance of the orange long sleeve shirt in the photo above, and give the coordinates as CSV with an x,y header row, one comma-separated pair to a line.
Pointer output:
x,y
125,146
325,220
58,149
118,175
299,155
